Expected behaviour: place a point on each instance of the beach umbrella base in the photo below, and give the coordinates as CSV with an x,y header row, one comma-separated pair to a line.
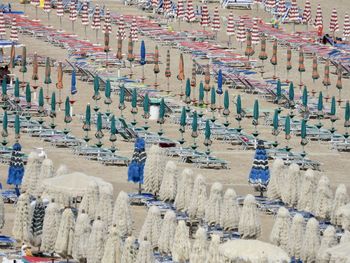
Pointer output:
x,y
275,144
255,134
160,132
41,121
113,149
182,141
226,124
200,114
66,131
194,146
99,144
96,108
86,139
4,142
288,149
52,125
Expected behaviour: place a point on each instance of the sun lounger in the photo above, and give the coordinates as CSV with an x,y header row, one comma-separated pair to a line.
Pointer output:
x,y
6,241
210,162
114,160
9,196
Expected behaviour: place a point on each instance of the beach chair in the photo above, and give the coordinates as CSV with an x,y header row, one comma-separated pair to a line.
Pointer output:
x,y
243,4
6,241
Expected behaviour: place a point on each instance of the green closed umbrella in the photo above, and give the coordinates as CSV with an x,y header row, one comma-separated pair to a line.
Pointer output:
x,y
28,95
207,134
121,100
239,105
275,123
303,133
113,133
4,125
87,121
194,133
99,133
182,124
16,91
67,116
256,115
4,89
47,79
134,105
17,127
161,117
291,92
188,91
212,99
305,97
146,113
278,91
23,68
333,113
347,116
41,101
96,95
287,127
320,103
226,110
201,94
53,103
108,99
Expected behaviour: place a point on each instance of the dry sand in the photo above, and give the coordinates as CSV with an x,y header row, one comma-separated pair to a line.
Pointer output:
x,y
335,165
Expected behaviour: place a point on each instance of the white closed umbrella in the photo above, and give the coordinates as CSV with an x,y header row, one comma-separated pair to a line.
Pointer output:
x,y
280,230
311,242
296,235
214,255
341,198
82,233
51,225
184,190
129,251
151,227
230,210
276,180
154,169
167,232
46,171
324,198
290,193
90,200
113,247
104,207
145,254
200,247
182,245
31,174
329,239
97,241
65,237
167,190
344,214
122,214
2,213
307,191
253,251
21,222
214,204
249,223
199,198
62,169
339,253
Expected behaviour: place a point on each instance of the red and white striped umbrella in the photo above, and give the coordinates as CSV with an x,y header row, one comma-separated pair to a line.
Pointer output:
x,y
96,18
59,8
121,28
190,17
240,31
307,13
154,4
346,27
47,6
205,20
133,31
258,1
215,26
294,12
166,6
270,4
85,14
255,32
318,23
2,24
107,27
180,12
14,31
334,25
35,2
230,29
281,7
73,13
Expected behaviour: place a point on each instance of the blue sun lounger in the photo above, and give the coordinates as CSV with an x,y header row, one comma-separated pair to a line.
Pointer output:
x,y
6,241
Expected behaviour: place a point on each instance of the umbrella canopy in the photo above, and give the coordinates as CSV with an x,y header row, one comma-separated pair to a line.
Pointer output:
x,y
326,79
226,111
252,251
255,32
107,27
67,116
2,24
130,56
301,67
84,13
14,31
273,59
119,47
113,129
142,53
333,110
35,67
230,29
146,105
73,89
219,89
167,67
28,94
318,23
23,68
156,60
59,8
215,26
205,20
121,27
315,74
240,31
181,75
47,71
287,127
53,105
194,133
73,14
334,25
96,18
256,111
293,14
306,17
281,8
291,91
346,26
87,121
201,93
190,16
180,12
108,99
134,31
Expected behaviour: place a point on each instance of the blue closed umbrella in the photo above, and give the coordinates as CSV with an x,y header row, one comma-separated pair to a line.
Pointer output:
x,y
16,168
142,53
137,164
73,89
219,90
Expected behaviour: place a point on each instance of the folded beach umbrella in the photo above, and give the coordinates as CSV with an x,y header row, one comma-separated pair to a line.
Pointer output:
x,y
194,78
205,20
334,25
113,132
213,100
303,133
346,26
326,79
320,105
67,116
73,88
275,123
2,24
270,4
53,110
230,28
146,113
73,13
181,74
304,98
121,27
47,79
281,7
182,124
136,166
84,13
240,31
278,91
249,51
167,71
256,113
301,67
194,133
12,63
318,23
96,95
339,84
293,14
121,105
59,11
207,78
14,30
41,101
215,25
273,59
156,65
28,96
207,134
4,96
134,105
134,31
239,106
180,11
219,88
17,127
201,94
107,27
4,132
287,128
190,16
315,74
289,61
108,99
161,117
255,32
130,56
35,75
226,110
99,133
16,168
333,110
16,91
188,92
291,94
306,17
119,55
47,9
23,68
87,120
347,116
263,53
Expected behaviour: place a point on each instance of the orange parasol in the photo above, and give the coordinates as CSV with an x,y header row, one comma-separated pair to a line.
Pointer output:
x,y
262,54
167,70
181,75
273,59
130,56
156,65
339,84
59,84
326,79
301,67
249,51
289,61
194,79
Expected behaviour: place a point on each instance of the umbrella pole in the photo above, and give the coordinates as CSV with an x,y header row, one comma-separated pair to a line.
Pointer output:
x,y
168,86
107,60
59,99
61,23
229,41
301,83
73,26
143,74
36,13
85,33
97,36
